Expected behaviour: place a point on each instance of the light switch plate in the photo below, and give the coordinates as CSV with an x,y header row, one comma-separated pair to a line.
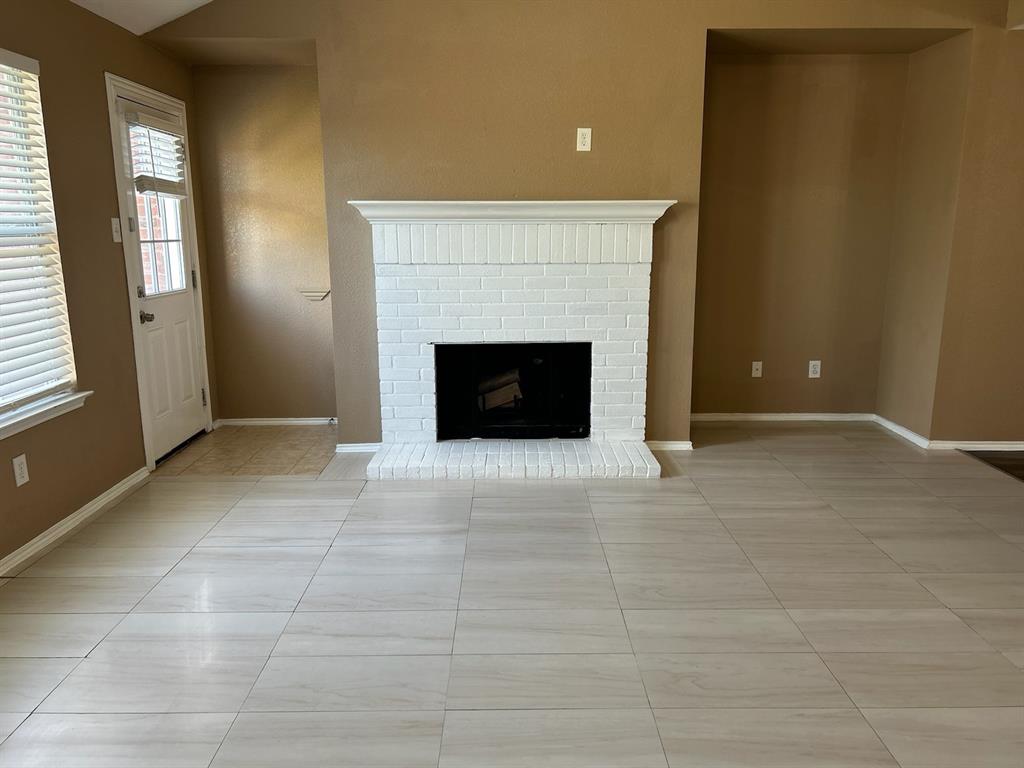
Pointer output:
x,y
755,369
115,229
583,139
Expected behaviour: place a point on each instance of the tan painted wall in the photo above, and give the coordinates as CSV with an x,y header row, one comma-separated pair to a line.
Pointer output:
x,y
922,239
980,393
797,183
1015,14
458,98
452,99
262,161
481,98
75,457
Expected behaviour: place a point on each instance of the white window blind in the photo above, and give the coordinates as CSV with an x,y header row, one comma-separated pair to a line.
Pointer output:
x,y
157,157
36,359
156,153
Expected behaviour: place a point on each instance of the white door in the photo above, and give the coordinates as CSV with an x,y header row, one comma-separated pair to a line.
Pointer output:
x,y
158,236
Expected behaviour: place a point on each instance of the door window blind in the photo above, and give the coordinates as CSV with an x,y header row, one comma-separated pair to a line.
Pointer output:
x,y
36,359
156,149
157,157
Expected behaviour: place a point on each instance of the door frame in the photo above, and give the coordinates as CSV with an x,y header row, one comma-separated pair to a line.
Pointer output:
x,y
120,87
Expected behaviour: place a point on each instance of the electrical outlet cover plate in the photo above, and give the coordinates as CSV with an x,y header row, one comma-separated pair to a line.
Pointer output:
x,y
583,136
20,464
755,369
814,369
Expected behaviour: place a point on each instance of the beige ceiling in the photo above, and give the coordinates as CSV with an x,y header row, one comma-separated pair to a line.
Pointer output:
x,y
140,16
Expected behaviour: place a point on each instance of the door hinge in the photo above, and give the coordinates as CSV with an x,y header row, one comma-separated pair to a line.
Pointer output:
x,y
131,223
203,391
194,283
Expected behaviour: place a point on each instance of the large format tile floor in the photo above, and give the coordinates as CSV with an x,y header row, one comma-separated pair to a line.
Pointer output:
x,y
789,596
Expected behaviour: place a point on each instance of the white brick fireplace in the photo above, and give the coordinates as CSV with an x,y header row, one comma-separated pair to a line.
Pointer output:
x,y
481,272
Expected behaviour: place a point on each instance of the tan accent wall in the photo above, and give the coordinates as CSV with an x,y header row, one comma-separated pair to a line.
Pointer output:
x,y
481,98
797,178
1015,14
980,392
75,457
928,175
262,161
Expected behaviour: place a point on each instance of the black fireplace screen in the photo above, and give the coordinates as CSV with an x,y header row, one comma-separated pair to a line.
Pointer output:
x,y
531,390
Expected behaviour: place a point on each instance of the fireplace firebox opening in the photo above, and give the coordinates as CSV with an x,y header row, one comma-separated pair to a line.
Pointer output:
x,y
513,391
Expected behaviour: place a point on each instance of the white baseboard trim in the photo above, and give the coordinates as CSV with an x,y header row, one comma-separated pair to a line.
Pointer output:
x,y
900,431
948,445
357,447
897,429
283,422
782,417
26,554
976,445
670,445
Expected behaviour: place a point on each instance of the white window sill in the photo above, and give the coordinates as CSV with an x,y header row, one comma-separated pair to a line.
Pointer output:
x,y
39,411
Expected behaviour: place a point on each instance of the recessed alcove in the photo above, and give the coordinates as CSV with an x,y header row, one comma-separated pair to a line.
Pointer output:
x,y
830,167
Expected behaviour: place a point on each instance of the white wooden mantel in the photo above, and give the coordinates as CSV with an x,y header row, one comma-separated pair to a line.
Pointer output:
x,y
450,271
568,211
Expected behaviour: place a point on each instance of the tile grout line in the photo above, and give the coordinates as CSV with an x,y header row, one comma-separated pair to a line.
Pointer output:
x,y
284,629
455,628
654,716
124,616
799,629
458,608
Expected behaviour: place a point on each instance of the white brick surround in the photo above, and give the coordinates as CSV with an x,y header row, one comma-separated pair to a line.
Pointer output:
x,y
501,459
477,272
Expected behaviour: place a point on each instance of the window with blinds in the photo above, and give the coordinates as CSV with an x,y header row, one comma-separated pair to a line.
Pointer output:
x,y
36,359
157,156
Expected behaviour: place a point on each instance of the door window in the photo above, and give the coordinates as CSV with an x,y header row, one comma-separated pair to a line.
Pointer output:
x,y
158,175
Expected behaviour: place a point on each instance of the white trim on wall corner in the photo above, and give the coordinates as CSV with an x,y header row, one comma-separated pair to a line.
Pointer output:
x,y
357,447
897,429
670,445
282,422
28,553
900,431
